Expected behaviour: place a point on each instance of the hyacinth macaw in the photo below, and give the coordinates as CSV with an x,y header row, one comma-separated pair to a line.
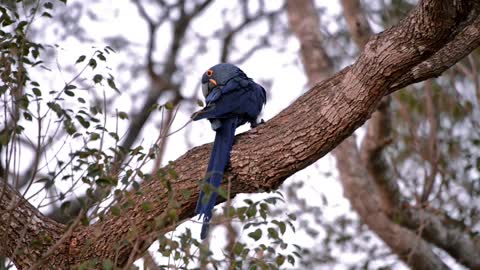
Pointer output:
x,y
232,99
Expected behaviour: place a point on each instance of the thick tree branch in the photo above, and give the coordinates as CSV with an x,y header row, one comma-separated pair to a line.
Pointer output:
x,y
435,228
455,50
355,179
24,231
362,193
301,134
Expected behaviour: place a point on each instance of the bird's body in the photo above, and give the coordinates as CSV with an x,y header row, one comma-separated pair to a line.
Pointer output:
x,y
232,99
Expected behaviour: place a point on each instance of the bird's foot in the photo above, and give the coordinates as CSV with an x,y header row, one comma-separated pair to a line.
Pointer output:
x,y
255,124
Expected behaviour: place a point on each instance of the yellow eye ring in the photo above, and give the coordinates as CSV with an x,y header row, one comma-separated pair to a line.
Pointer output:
x,y
209,73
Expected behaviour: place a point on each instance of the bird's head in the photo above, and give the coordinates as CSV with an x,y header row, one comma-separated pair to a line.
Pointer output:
x,y
218,76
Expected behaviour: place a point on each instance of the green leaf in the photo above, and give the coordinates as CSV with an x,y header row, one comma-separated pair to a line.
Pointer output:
x,y
23,102
281,225
123,115
69,93
21,26
291,259
102,181
92,63
291,225
80,59
48,5
46,14
263,214
114,135
19,129
272,233
256,235
94,136
135,185
248,201
252,211
169,105
82,121
27,116
108,49
238,248
292,216
4,138
37,91
97,78
280,260
56,108
70,87
112,85
101,57
6,19
69,127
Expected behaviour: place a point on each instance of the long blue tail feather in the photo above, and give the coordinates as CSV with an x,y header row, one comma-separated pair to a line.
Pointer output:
x,y
219,159
232,99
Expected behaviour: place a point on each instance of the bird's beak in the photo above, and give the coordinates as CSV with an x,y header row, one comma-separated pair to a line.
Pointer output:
x,y
205,89
213,82
208,86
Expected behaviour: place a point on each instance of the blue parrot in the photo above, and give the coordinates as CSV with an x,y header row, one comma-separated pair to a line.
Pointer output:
x,y
232,99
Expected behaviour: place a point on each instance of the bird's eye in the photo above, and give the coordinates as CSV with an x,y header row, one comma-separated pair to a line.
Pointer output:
x,y
209,73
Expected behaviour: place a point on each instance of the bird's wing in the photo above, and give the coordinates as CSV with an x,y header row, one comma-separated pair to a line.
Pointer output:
x,y
222,102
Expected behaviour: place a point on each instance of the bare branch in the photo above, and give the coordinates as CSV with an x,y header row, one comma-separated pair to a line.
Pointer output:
x,y
162,82
304,23
432,155
360,190
458,48
247,20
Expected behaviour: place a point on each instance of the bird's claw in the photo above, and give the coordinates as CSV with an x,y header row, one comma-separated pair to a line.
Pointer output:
x,y
255,124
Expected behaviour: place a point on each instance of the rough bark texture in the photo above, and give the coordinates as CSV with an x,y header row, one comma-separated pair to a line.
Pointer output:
x,y
24,232
372,203
301,134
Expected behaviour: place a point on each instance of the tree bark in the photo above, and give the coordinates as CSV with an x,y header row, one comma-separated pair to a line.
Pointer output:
x,y
301,134
372,203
